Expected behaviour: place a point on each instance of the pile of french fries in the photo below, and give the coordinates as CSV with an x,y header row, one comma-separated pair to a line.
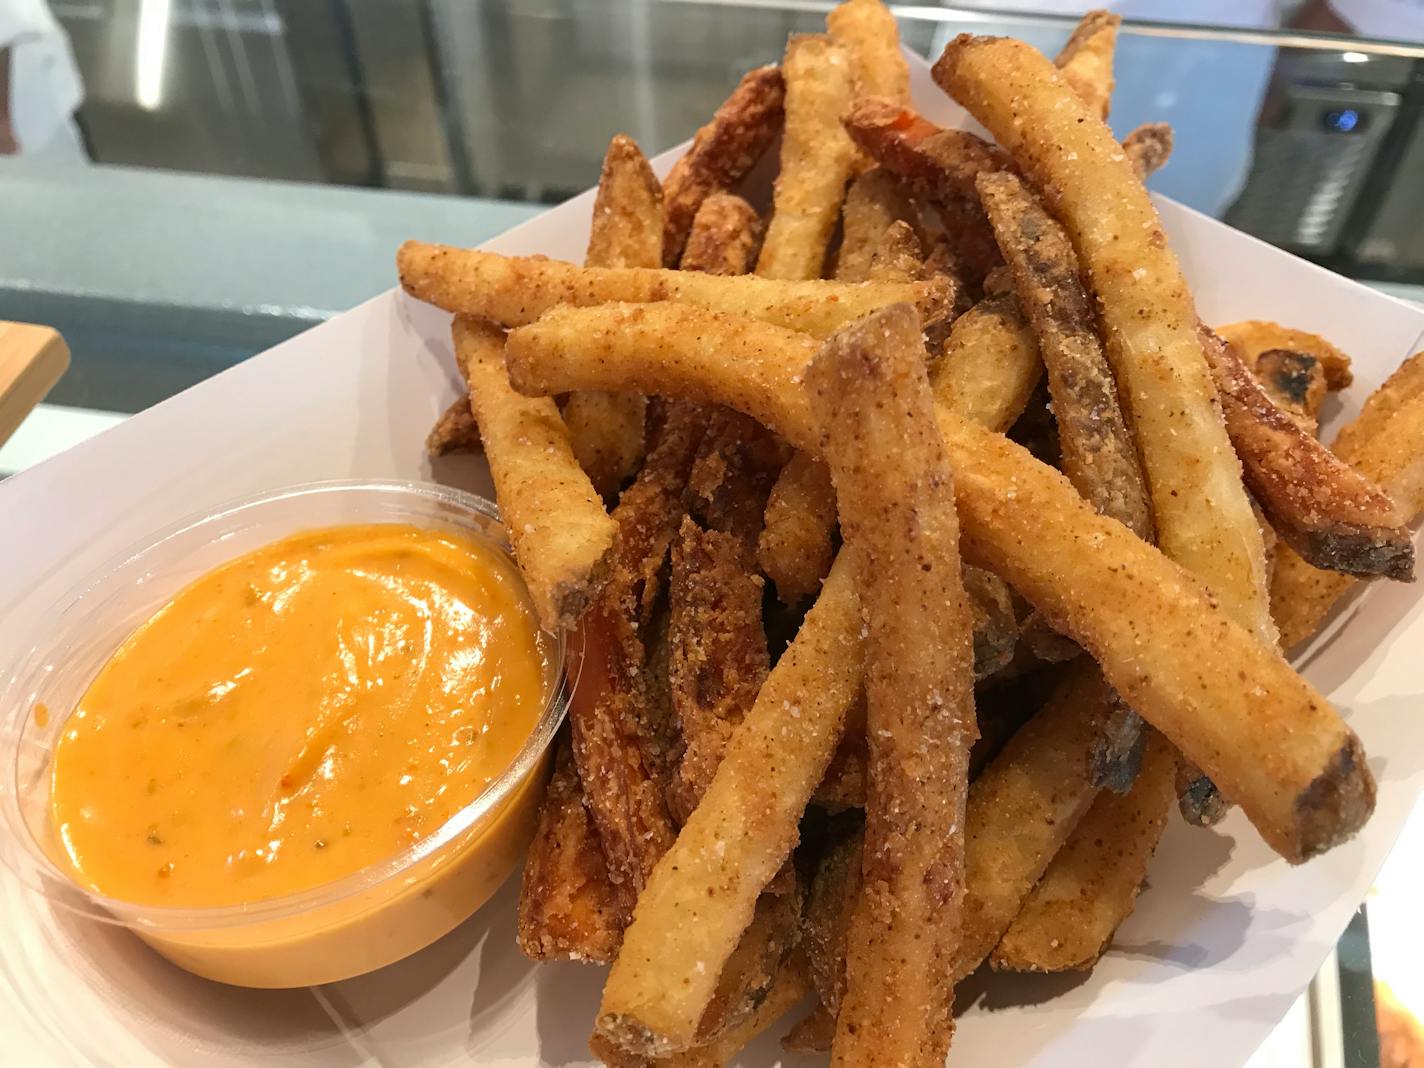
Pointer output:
x,y
936,441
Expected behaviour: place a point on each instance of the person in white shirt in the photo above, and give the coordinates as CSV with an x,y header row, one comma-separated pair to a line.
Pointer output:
x,y
39,81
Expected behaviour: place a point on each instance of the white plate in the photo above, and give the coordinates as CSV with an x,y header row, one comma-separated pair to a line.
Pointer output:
x,y
1221,943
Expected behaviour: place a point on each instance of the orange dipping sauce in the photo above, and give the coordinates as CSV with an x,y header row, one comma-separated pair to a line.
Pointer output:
x,y
297,714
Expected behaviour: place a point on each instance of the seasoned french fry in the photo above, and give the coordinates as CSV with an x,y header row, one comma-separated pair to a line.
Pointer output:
x,y
725,236
813,1032
868,31
568,909
996,626
1148,148
1086,61
874,201
1098,453
1295,382
1023,806
1203,516
1071,915
933,161
1325,510
702,896
516,290
561,535
722,152
606,434
1292,764
870,392
899,257
817,159
1402,387
1301,595
1255,336
795,550
990,365
455,430
835,886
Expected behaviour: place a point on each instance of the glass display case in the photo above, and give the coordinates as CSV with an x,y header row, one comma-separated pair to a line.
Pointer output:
x,y
241,170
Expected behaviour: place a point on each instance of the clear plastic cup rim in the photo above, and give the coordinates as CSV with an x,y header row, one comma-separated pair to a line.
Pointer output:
x,y
19,693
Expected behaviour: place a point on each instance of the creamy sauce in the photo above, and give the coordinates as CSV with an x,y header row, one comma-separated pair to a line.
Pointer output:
x,y
297,714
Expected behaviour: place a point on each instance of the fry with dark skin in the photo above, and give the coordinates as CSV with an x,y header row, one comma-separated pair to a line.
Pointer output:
x,y
817,159
870,393
874,201
1292,765
606,429
898,257
562,536
516,290
1255,336
933,161
721,153
1295,382
835,886
1069,918
1086,61
455,430
568,909
1329,513
1148,148
725,236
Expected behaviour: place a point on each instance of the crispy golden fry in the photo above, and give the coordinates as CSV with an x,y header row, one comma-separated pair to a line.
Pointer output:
x,y
516,290
868,31
725,236
1295,382
1148,148
1301,595
1292,764
817,159
899,257
1086,61
813,1033
568,909
722,152
606,429
796,540
1071,915
934,162
561,534
990,365
1255,336
843,787
1098,453
1023,806
1402,387
617,745
996,625
1204,519
1325,510
829,905
455,430
701,897
719,654
870,393
874,201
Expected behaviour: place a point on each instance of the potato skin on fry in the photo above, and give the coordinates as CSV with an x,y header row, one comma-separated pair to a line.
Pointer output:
x,y
1255,336
726,234
721,153
455,430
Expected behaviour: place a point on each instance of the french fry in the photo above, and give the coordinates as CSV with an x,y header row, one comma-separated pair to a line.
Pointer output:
x,y
455,430
1255,336
874,201
1023,806
606,434
702,896
1329,513
795,550
1203,516
934,162
1098,453
868,31
813,1033
568,909
1295,382
1402,387
1070,917
898,258
722,152
725,236
835,886
516,290
869,390
561,534
996,625
1148,148
1086,61
1292,764
990,365
817,159
1302,596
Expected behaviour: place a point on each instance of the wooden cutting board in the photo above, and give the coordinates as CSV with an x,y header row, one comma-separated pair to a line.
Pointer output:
x,y
31,360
